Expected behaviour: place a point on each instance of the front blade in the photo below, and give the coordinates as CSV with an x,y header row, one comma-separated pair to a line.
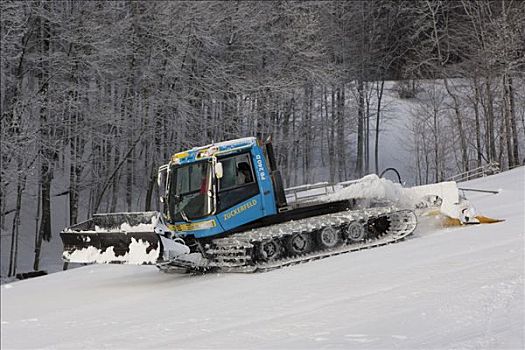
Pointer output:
x,y
138,248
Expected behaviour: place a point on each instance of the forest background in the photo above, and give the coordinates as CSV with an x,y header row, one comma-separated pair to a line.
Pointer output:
x,y
95,96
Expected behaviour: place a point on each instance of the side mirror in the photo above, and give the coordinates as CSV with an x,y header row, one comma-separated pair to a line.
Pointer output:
x,y
159,179
218,170
162,175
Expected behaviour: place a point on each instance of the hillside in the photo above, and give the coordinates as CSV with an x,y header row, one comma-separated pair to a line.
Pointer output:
x,y
443,288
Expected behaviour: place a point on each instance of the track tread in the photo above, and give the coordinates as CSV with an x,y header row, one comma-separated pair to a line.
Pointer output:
x,y
228,251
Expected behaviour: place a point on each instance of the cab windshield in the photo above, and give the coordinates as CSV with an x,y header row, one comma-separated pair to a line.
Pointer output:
x,y
190,195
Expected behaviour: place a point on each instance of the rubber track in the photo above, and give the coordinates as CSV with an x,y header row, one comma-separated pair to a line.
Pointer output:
x,y
237,248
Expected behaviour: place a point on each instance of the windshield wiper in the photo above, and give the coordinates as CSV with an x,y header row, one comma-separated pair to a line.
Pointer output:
x,y
184,217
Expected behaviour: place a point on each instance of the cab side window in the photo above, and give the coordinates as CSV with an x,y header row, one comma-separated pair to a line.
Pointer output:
x,y
238,181
237,171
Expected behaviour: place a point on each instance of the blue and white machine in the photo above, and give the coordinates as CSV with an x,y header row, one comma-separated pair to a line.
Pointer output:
x,y
224,207
218,188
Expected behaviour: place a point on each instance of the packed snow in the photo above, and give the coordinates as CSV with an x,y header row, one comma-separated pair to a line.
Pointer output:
x,y
442,289
372,186
151,222
125,227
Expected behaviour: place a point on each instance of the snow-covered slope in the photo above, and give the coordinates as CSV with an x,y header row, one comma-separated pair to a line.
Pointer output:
x,y
447,288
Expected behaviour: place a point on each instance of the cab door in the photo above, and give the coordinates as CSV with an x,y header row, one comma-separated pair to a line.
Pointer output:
x,y
238,197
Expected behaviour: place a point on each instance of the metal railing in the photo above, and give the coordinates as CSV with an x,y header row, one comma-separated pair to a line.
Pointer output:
x,y
309,191
482,171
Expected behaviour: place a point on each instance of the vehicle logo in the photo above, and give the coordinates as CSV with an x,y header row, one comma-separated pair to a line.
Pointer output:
x,y
260,167
240,209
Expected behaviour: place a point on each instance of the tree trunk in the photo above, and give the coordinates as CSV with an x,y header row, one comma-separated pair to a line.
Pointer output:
x,y
44,232
129,176
367,129
379,91
16,221
360,127
151,186
48,155
475,104
436,128
511,116
418,163
341,144
286,141
330,136
307,132
489,115
115,183
75,173
459,121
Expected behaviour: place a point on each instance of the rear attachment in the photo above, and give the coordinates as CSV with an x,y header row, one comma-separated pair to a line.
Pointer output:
x,y
442,200
120,238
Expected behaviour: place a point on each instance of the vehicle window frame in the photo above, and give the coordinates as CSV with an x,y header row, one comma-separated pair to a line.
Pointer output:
x,y
223,192
250,163
175,175
172,181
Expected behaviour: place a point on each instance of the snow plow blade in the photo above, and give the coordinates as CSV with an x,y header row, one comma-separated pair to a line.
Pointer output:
x,y
117,238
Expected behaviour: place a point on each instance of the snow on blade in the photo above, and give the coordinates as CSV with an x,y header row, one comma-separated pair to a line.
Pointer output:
x,y
136,255
127,227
